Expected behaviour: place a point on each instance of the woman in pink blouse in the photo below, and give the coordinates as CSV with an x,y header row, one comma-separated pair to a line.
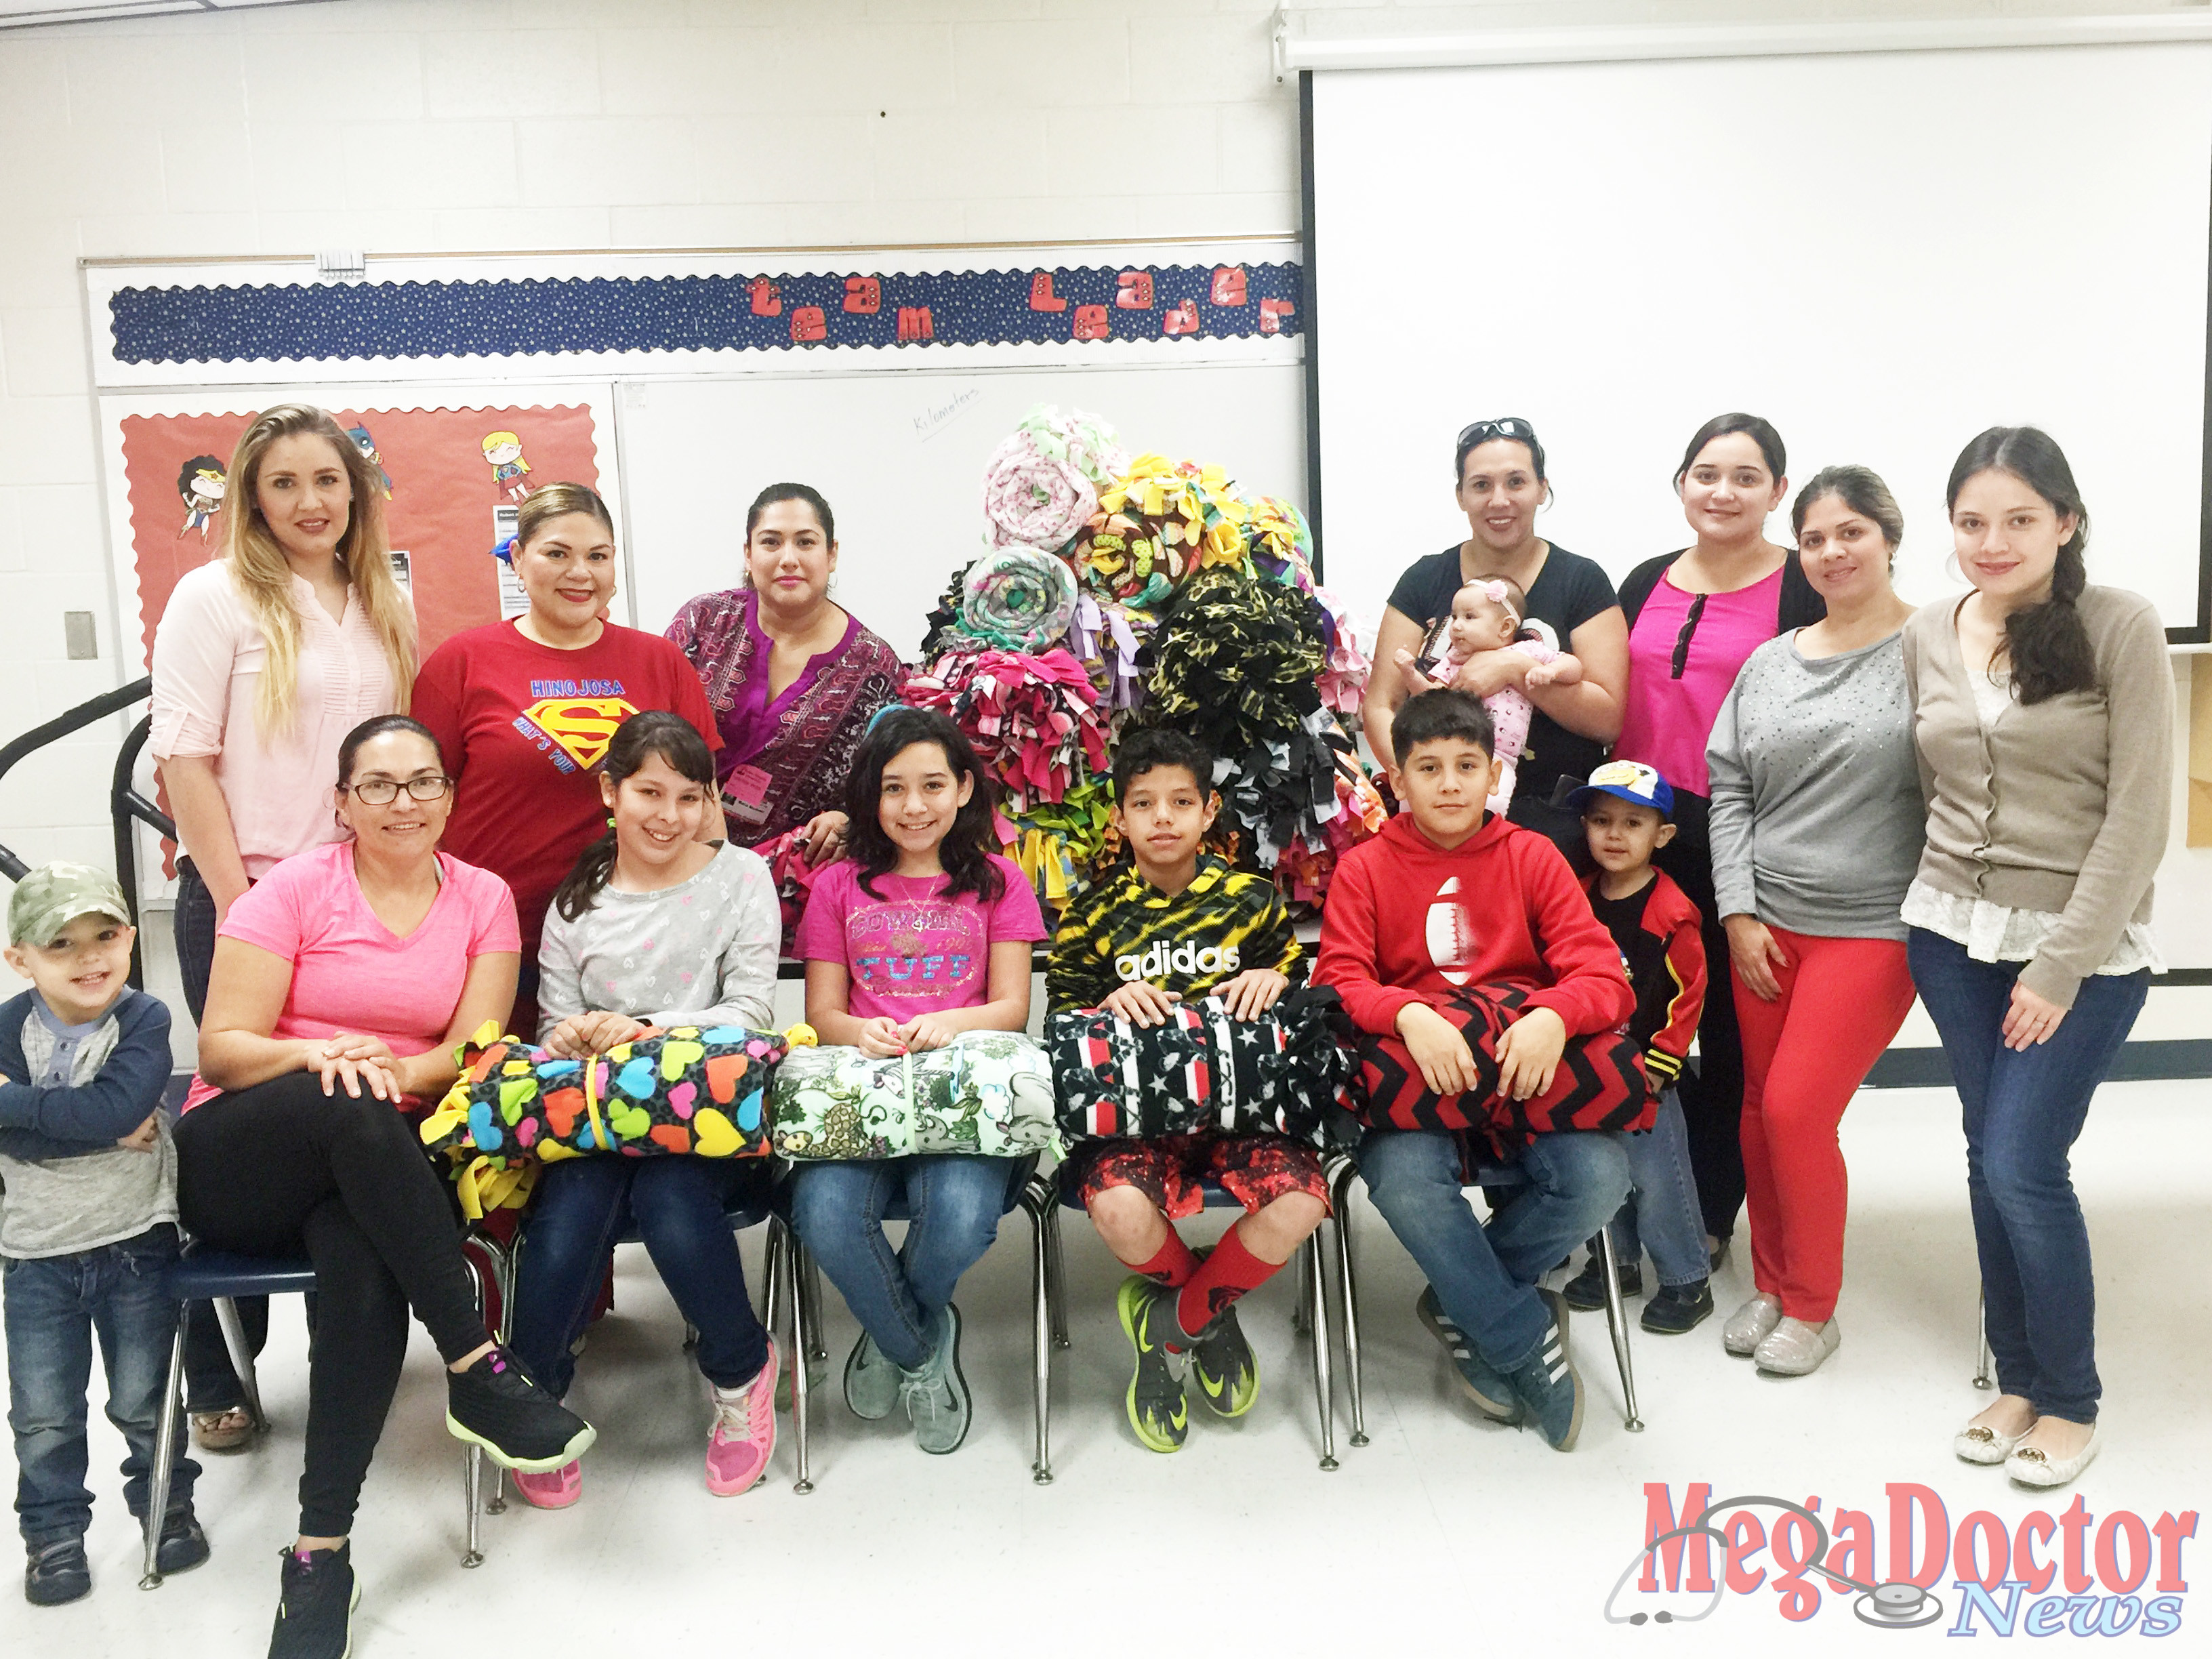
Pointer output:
x,y
1694,617
263,660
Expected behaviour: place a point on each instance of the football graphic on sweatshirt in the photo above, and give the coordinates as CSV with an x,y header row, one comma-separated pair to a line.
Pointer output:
x,y
1452,943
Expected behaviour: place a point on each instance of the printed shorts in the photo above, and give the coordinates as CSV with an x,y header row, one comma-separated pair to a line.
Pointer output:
x,y
1171,1171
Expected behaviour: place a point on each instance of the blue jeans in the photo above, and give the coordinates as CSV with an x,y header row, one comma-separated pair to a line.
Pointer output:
x,y
2023,1113
54,1306
1484,1277
1661,1214
676,1206
955,1202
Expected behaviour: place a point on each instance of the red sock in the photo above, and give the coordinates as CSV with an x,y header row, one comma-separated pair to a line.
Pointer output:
x,y
1172,1264
1228,1274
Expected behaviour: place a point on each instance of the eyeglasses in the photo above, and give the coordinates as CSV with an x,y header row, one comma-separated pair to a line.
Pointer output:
x,y
1483,431
382,792
1689,631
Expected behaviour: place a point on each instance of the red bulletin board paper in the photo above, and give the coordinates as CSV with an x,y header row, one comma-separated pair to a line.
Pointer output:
x,y
439,510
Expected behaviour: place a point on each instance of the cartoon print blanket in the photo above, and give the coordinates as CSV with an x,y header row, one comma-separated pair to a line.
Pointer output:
x,y
1600,1082
681,1091
1278,1074
984,1092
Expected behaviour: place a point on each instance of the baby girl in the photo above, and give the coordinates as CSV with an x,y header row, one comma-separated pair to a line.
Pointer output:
x,y
1487,616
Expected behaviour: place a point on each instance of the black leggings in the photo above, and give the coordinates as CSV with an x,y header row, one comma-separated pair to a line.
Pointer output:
x,y
281,1170
1712,1092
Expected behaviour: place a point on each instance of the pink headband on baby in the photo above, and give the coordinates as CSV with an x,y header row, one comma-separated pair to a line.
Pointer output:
x,y
1497,593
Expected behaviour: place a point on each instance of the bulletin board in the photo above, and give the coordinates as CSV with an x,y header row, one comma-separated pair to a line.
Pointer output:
x,y
446,472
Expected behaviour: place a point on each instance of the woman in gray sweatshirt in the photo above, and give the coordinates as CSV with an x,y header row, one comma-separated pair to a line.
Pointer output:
x,y
2042,713
1817,826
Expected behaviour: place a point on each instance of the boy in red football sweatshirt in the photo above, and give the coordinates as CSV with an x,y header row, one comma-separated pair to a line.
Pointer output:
x,y
1450,897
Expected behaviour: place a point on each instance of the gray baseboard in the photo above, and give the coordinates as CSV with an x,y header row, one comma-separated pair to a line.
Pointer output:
x,y
2139,1062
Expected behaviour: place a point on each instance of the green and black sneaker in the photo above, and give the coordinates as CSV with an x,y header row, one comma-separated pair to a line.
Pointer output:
x,y
1159,1410
1227,1369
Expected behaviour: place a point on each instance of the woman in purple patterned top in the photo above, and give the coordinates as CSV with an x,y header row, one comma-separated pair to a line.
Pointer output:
x,y
793,678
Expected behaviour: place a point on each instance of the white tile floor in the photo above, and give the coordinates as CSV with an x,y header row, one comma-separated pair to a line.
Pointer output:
x,y
1444,1528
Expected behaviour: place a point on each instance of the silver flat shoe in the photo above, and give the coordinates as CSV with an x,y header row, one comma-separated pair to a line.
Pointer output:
x,y
2031,1467
1748,1326
1793,1348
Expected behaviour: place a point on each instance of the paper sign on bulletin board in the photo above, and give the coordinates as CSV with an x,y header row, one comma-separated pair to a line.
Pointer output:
x,y
452,478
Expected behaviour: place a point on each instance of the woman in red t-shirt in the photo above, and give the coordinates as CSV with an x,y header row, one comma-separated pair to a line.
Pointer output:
x,y
524,711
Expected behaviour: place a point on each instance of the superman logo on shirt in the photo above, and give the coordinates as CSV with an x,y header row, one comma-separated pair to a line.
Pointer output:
x,y
578,727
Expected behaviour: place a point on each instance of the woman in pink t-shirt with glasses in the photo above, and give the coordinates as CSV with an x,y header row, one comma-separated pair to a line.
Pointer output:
x,y
343,980
1694,617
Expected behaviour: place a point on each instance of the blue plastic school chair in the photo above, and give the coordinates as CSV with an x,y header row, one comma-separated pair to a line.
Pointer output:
x,y
747,1208
202,1274
1309,1317
1344,1170
1026,1191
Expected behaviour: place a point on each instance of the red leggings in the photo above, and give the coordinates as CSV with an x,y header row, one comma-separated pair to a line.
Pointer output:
x,y
1804,1053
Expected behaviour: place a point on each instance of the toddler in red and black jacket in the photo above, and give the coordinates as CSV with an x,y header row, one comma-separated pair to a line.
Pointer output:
x,y
1626,811
1492,1003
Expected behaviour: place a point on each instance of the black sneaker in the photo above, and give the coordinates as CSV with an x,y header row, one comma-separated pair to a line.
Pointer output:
x,y
55,1573
314,1613
1491,1393
1158,1403
1585,1292
1227,1369
494,1404
1677,1308
183,1544
1552,1390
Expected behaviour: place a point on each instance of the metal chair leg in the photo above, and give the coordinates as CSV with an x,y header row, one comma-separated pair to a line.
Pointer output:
x,y
794,1273
165,1454
1985,1362
1616,1321
242,1360
816,1350
498,1262
1316,1275
1301,1321
1056,1263
471,1460
1340,1199
1042,1333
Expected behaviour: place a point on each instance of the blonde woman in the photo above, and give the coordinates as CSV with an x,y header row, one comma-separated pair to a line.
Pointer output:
x,y
263,661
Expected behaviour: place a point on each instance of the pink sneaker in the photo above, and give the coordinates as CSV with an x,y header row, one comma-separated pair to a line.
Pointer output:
x,y
744,1433
555,1489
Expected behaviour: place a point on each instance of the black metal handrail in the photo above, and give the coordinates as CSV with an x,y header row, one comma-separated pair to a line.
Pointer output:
x,y
124,803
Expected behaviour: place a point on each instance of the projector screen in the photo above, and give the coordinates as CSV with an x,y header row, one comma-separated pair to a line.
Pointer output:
x,y
1882,253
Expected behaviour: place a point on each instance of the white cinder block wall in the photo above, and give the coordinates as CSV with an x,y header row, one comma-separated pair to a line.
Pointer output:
x,y
399,125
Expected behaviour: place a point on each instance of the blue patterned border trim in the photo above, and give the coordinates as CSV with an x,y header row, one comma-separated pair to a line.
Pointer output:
x,y
295,322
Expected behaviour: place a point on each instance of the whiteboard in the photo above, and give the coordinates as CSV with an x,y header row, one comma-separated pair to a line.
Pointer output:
x,y
1883,254
899,455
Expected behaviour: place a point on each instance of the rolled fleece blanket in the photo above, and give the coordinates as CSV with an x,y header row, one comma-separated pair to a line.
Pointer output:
x,y
988,1093
1282,546
1041,484
1599,1085
669,1093
1199,1069
1235,662
1345,670
1019,598
1034,720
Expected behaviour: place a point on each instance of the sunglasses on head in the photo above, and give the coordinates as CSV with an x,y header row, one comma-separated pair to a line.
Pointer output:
x,y
1512,426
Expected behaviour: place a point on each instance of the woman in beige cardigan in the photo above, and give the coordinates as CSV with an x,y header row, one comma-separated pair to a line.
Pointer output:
x,y
2042,713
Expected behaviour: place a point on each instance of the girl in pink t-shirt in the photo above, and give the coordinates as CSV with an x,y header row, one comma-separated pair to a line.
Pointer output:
x,y
921,933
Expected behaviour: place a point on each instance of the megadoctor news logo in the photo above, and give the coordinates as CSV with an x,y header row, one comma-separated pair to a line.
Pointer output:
x,y
2074,1572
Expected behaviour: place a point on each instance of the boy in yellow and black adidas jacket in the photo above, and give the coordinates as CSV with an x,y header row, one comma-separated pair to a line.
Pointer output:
x,y
1177,923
